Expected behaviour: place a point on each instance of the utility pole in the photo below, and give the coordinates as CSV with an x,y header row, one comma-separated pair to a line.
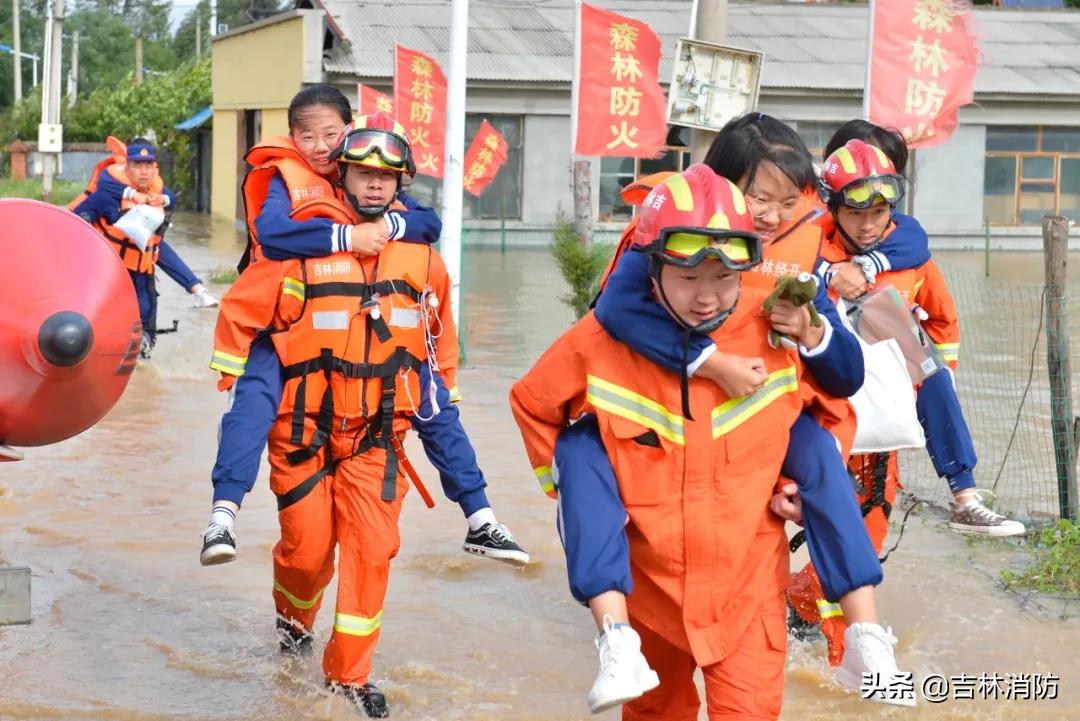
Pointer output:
x,y
17,45
73,71
454,165
213,19
709,24
50,132
138,61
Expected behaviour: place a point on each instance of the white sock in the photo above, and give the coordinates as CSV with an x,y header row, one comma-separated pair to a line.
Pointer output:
x,y
223,516
481,518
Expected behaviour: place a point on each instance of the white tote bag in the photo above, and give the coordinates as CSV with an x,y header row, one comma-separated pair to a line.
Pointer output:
x,y
140,223
885,405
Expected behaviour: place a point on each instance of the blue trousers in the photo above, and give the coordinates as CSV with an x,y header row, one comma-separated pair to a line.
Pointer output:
x,y
175,267
255,400
592,516
146,294
948,439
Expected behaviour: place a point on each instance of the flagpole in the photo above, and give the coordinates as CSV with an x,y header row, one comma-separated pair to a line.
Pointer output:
x,y
453,167
869,62
576,78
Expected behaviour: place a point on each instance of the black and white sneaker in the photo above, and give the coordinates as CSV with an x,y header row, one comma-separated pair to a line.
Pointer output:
x,y
494,540
219,545
366,699
294,641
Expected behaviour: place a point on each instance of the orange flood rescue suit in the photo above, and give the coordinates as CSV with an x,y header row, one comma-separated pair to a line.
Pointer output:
x,y
709,558
352,334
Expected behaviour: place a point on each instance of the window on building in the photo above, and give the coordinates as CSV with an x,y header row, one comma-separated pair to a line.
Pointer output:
x,y
616,173
816,136
502,198
1031,172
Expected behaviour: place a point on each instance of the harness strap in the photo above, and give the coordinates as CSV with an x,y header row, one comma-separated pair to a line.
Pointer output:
x,y
877,498
401,358
363,290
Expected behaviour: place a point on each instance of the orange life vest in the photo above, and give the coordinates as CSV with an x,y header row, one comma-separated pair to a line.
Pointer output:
x,y
795,250
277,156
356,339
134,258
118,157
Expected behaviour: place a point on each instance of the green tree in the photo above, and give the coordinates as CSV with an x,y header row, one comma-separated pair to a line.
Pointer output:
x,y
126,110
32,32
233,13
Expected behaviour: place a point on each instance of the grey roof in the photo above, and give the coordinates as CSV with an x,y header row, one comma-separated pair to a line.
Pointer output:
x,y
810,46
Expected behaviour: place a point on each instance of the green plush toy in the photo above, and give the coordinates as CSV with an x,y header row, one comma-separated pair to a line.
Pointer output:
x,y
797,289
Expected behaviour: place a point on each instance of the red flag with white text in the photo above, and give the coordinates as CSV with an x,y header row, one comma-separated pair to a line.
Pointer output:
x,y
923,62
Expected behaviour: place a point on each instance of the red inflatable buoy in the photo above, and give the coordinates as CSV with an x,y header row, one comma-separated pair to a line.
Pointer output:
x,y
69,324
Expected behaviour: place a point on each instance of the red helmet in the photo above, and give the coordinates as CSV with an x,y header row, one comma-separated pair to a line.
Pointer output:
x,y
696,215
377,140
858,175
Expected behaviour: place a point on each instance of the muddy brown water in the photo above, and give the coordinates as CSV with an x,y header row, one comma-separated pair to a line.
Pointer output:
x,y
128,626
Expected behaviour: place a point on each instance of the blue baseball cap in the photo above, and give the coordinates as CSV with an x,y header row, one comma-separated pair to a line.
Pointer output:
x,y
141,152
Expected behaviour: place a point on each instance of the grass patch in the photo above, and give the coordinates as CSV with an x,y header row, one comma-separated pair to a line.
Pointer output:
x,y
63,190
581,265
223,275
1055,567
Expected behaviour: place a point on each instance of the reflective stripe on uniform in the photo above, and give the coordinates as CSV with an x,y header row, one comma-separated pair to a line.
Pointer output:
x,y
293,287
230,364
736,411
626,404
357,625
948,351
455,395
828,610
547,480
299,603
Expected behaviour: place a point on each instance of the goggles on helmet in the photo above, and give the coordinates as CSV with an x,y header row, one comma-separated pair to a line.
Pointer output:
x,y
362,146
688,247
865,192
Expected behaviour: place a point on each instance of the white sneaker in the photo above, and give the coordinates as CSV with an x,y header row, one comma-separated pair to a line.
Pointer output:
x,y
868,654
203,299
624,673
974,517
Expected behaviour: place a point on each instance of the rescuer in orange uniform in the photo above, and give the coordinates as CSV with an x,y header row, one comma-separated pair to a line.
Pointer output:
x,y
696,468
356,335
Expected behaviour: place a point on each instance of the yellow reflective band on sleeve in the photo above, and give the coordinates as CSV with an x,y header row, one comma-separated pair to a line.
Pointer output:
x,y
299,603
949,351
232,364
917,288
547,480
357,625
646,412
736,411
455,395
828,610
293,287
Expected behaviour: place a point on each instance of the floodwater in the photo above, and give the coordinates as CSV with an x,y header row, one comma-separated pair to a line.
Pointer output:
x,y
128,626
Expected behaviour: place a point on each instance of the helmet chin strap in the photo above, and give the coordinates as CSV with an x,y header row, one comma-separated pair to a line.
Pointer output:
x,y
704,328
368,211
853,247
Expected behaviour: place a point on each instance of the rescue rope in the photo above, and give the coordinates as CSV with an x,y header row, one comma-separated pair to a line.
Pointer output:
x,y
903,524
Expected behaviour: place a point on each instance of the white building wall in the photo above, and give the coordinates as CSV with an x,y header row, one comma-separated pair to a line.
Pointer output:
x,y
948,183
